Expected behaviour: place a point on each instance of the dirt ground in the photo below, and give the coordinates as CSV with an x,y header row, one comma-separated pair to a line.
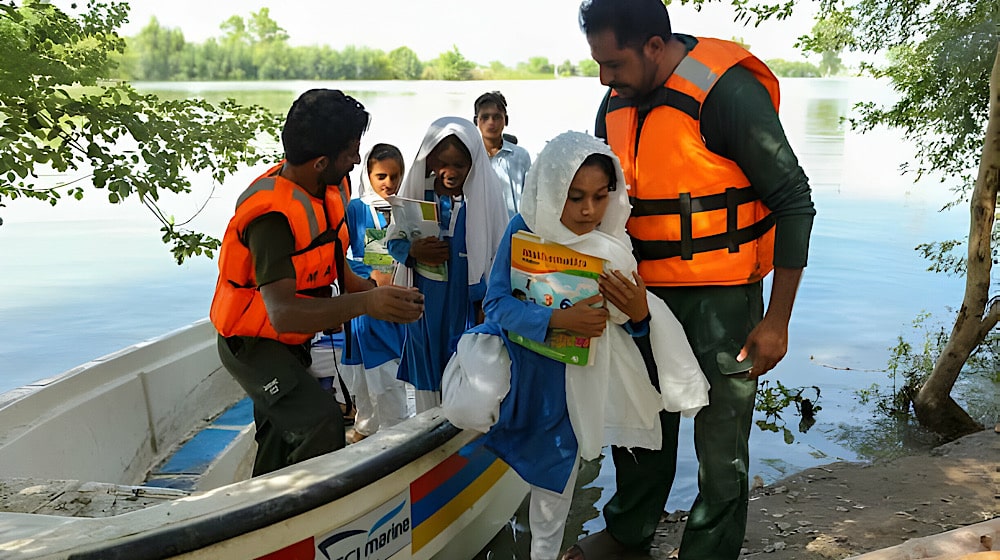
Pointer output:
x,y
845,509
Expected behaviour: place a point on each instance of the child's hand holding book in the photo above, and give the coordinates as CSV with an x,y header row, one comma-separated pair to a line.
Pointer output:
x,y
626,295
429,250
581,318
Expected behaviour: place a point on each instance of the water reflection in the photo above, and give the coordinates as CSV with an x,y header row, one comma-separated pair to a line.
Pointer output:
x,y
825,118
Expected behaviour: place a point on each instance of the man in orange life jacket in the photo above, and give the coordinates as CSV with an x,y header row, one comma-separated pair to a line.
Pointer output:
x,y
280,255
719,201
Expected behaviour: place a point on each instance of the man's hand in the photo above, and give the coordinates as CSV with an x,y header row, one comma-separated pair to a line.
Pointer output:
x,y
394,303
624,294
581,318
429,250
766,345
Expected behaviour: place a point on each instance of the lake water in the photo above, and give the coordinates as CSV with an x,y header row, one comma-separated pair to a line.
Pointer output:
x,y
84,278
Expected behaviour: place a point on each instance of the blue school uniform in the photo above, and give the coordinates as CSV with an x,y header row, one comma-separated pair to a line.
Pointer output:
x,y
373,342
449,306
533,433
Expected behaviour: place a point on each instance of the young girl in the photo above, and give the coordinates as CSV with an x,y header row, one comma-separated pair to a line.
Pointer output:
x,y
375,347
554,413
452,170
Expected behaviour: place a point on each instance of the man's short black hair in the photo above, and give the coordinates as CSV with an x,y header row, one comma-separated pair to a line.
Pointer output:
x,y
322,122
491,98
633,21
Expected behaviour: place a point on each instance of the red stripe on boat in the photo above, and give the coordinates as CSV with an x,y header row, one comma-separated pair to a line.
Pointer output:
x,y
302,550
436,476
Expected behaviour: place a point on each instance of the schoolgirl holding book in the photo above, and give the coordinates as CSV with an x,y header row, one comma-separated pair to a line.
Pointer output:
x,y
451,170
551,414
375,347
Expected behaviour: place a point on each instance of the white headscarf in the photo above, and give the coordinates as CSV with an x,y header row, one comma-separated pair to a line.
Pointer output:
x,y
485,209
366,192
611,401
545,191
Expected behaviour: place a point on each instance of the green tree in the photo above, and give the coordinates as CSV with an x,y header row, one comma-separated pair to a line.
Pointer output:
x,y
265,30
829,36
236,62
269,44
589,68
566,68
449,65
363,63
793,68
209,61
61,114
159,51
539,65
944,61
404,64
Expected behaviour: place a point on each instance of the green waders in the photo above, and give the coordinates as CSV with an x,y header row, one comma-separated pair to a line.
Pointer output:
x,y
296,419
717,320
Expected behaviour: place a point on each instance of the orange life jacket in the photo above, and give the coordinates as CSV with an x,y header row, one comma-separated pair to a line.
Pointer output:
x,y
695,218
238,307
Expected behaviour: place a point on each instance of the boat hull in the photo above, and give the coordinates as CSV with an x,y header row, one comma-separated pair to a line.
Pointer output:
x,y
422,489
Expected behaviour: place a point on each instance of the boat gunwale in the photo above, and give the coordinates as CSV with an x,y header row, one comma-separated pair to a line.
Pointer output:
x,y
192,535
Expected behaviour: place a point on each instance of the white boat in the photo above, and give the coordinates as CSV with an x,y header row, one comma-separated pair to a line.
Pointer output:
x,y
99,462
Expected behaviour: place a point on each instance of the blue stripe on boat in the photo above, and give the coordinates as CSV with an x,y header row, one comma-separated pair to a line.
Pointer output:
x,y
199,452
240,414
479,460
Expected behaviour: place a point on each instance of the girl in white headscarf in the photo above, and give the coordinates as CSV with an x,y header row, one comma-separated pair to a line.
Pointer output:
x,y
375,347
453,171
575,195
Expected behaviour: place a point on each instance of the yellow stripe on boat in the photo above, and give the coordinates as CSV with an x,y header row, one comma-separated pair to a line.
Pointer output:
x,y
450,512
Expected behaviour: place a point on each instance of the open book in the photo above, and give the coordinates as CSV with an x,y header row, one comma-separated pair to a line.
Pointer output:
x,y
553,275
417,219
376,254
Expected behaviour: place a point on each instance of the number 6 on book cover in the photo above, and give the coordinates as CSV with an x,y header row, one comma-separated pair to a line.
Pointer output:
x,y
553,275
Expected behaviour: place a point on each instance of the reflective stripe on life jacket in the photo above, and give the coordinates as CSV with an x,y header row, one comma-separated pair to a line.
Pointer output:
x,y
695,218
238,307
335,202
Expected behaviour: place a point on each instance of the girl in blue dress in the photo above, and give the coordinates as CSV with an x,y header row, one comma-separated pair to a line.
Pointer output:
x,y
541,415
375,347
452,171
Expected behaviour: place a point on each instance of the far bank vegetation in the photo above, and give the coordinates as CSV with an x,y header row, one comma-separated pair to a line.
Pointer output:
x,y
257,48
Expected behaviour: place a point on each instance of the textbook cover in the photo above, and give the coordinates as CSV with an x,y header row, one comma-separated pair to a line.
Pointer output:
x,y
376,254
417,219
553,275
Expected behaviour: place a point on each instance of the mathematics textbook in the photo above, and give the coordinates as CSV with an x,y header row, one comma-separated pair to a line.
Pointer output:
x,y
553,275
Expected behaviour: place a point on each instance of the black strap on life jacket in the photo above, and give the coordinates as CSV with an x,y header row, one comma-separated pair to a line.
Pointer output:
x,y
600,124
662,97
684,206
